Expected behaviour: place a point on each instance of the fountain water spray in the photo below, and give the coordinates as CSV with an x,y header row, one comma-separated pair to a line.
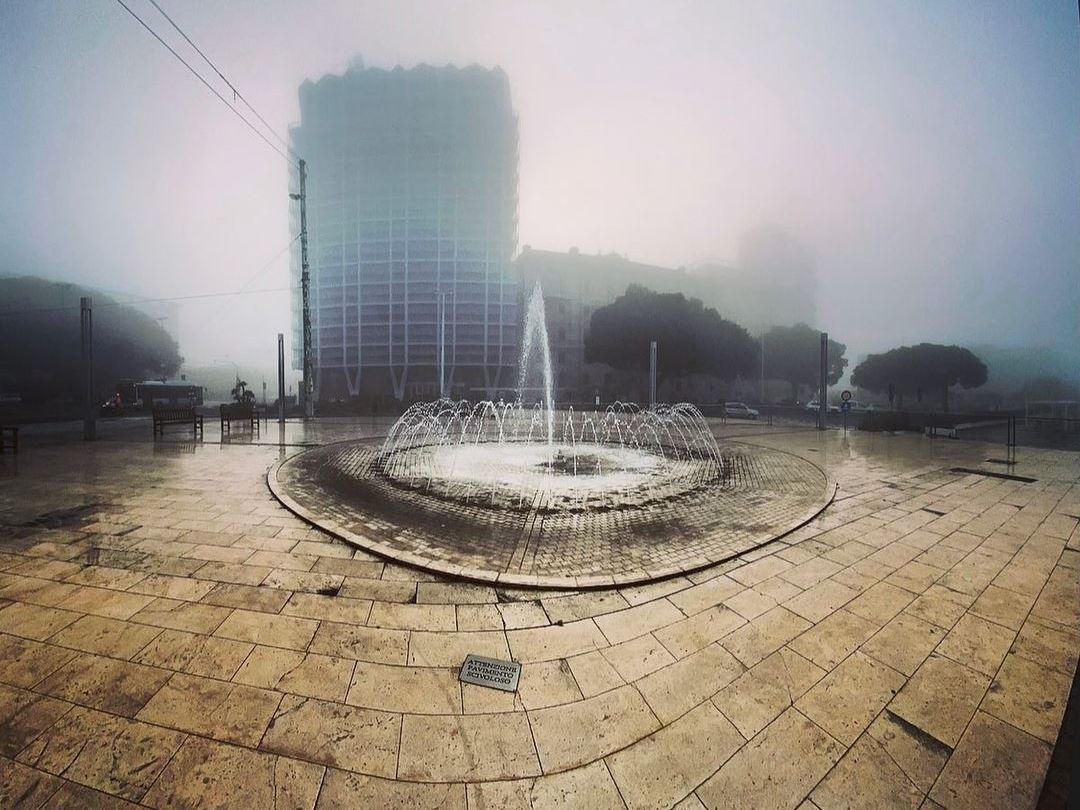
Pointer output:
x,y
536,334
511,455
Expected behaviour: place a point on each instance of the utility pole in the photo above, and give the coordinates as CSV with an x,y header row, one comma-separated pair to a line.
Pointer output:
x,y
762,366
308,388
652,372
823,384
86,320
442,345
281,379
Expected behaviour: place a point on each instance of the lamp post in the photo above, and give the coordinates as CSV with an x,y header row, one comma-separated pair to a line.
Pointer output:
x,y
823,383
652,373
762,366
442,345
87,326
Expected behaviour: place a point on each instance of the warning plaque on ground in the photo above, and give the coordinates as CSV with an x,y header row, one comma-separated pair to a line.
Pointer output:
x,y
490,672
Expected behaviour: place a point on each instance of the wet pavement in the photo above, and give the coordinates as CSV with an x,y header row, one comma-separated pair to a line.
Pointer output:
x,y
171,636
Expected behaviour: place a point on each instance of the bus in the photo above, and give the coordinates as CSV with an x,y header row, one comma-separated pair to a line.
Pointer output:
x,y
144,395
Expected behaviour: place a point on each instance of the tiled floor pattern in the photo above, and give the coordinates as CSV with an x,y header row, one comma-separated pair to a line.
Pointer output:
x,y
164,642
339,488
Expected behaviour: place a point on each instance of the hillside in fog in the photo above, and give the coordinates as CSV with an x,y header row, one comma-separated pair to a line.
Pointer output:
x,y
40,342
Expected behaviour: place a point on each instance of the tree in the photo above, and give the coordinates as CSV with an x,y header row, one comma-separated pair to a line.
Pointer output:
x,y
241,395
692,338
793,353
915,369
40,344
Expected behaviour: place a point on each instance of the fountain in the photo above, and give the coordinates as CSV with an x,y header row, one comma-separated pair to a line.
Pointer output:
x,y
536,333
521,493
501,455
511,456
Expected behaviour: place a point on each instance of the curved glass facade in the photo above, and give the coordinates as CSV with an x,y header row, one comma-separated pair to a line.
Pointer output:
x,y
412,200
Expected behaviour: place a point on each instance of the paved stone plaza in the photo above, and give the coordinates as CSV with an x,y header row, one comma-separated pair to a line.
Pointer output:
x,y
171,636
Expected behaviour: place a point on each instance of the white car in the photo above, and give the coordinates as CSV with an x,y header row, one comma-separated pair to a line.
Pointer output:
x,y
739,410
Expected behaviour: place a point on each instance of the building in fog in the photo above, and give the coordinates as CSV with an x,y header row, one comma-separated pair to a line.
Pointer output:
x,y
575,284
773,282
412,200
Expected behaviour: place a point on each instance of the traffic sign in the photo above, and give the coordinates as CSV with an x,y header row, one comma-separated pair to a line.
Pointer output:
x,y
845,406
845,396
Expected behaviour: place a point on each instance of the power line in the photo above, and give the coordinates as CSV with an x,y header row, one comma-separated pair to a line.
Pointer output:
x,y
209,87
236,93
265,267
243,287
242,290
16,312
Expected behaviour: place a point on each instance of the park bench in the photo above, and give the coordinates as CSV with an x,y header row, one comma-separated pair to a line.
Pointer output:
x,y
176,415
239,412
9,439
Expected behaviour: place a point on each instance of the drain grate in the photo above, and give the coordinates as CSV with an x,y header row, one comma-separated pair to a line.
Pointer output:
x,y
990,473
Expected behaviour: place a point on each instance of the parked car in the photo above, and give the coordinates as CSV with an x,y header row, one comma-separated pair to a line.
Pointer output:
x,y
739,410
813,406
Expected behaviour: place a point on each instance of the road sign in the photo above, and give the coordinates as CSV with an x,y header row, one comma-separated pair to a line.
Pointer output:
x,y
845,406
845,396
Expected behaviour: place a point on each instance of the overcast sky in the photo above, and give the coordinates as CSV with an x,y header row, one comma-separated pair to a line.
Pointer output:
x,y
928,153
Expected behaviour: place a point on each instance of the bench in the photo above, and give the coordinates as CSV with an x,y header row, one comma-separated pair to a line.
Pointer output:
x,y
176,415
237,412
940,431
9,439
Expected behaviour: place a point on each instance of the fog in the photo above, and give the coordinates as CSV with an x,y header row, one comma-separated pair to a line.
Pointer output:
x,y
927,154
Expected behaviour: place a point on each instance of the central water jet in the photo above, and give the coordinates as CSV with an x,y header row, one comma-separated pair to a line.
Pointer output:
x,y
536,337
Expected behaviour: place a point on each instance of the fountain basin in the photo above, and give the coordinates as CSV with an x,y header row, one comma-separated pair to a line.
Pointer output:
x,y
343,489
511,494
549,478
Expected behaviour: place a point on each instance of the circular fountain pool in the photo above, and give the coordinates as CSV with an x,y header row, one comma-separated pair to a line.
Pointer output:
x,y
508,476
561,499
616,497
504,456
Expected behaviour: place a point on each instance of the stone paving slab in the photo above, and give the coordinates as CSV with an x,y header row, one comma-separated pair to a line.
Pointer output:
x,y
170,636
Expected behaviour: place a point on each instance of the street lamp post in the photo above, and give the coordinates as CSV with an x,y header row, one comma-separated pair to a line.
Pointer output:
x,y
763,367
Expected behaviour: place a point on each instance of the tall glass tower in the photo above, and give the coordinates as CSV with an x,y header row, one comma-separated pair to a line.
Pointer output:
x,y
412,224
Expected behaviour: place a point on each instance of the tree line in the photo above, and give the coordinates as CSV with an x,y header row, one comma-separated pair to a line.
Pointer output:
x,y
696,339
40,347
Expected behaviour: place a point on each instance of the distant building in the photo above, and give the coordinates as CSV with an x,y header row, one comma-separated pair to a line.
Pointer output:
x,y
575,284
773,281
412,199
